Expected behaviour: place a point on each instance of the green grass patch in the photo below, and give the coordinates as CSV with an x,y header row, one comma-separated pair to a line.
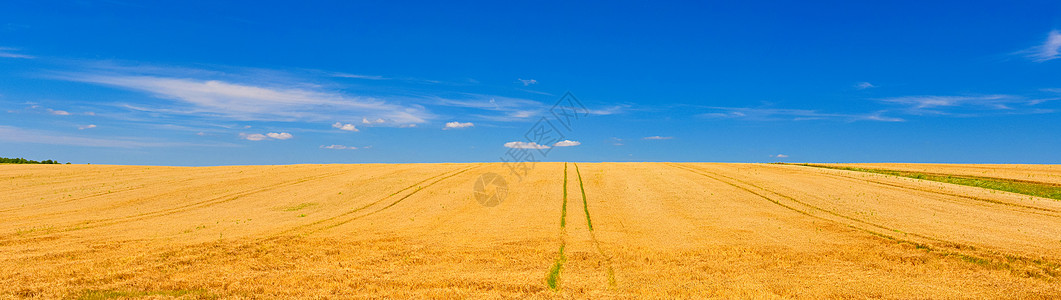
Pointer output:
x,y
553,277
300,206
1043,190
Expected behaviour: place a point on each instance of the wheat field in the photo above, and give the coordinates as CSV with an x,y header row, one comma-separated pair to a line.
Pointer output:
x,y
565,230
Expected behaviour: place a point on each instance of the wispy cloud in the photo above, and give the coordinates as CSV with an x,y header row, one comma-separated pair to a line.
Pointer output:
x,y
346,127
8,52
338,147
58,112
357,76
567,143
248,101
262,137
864,85
456,125
783,114
1048,50
511,109
514,109
366,121
779,156
525,145
964,105
21,135
527,82
83,127
611,110
658,137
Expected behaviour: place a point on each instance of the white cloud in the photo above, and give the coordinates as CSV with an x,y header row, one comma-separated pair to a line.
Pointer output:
x,y
864,85
253,137
347,127
366,121
357,76
965,105
527,82
942,101
1048,50
11,53
779,156
879,117
511,109
455,125
776,114
58,112
566,143
611,110
525,145
286,101
338,147
83,127
658,137
280,136
19,135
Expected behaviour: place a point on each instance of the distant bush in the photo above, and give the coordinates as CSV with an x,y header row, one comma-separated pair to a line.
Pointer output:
x,y
5,160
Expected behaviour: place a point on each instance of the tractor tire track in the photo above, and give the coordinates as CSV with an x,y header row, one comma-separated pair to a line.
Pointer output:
x,y
610,271
946,248
975,200
552,277
419,186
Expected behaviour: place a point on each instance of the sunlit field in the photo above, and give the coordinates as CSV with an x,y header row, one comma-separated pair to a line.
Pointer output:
x,y
583,230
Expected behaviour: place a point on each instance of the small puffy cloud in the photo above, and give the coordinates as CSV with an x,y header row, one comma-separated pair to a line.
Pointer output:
x,y
779,156
456,125
525,145
527,82
58,112
279,136
253,137
366,121
338,147
347,127
83,127
566,143
658,137
864,85
262,137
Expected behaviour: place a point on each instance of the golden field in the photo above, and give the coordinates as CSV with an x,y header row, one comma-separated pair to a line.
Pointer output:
x,y
659,230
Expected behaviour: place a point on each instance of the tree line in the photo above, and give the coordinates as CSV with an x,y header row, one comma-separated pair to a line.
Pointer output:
x,y
5,160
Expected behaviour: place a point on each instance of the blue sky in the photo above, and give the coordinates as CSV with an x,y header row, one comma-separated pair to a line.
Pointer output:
x,y
207,83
